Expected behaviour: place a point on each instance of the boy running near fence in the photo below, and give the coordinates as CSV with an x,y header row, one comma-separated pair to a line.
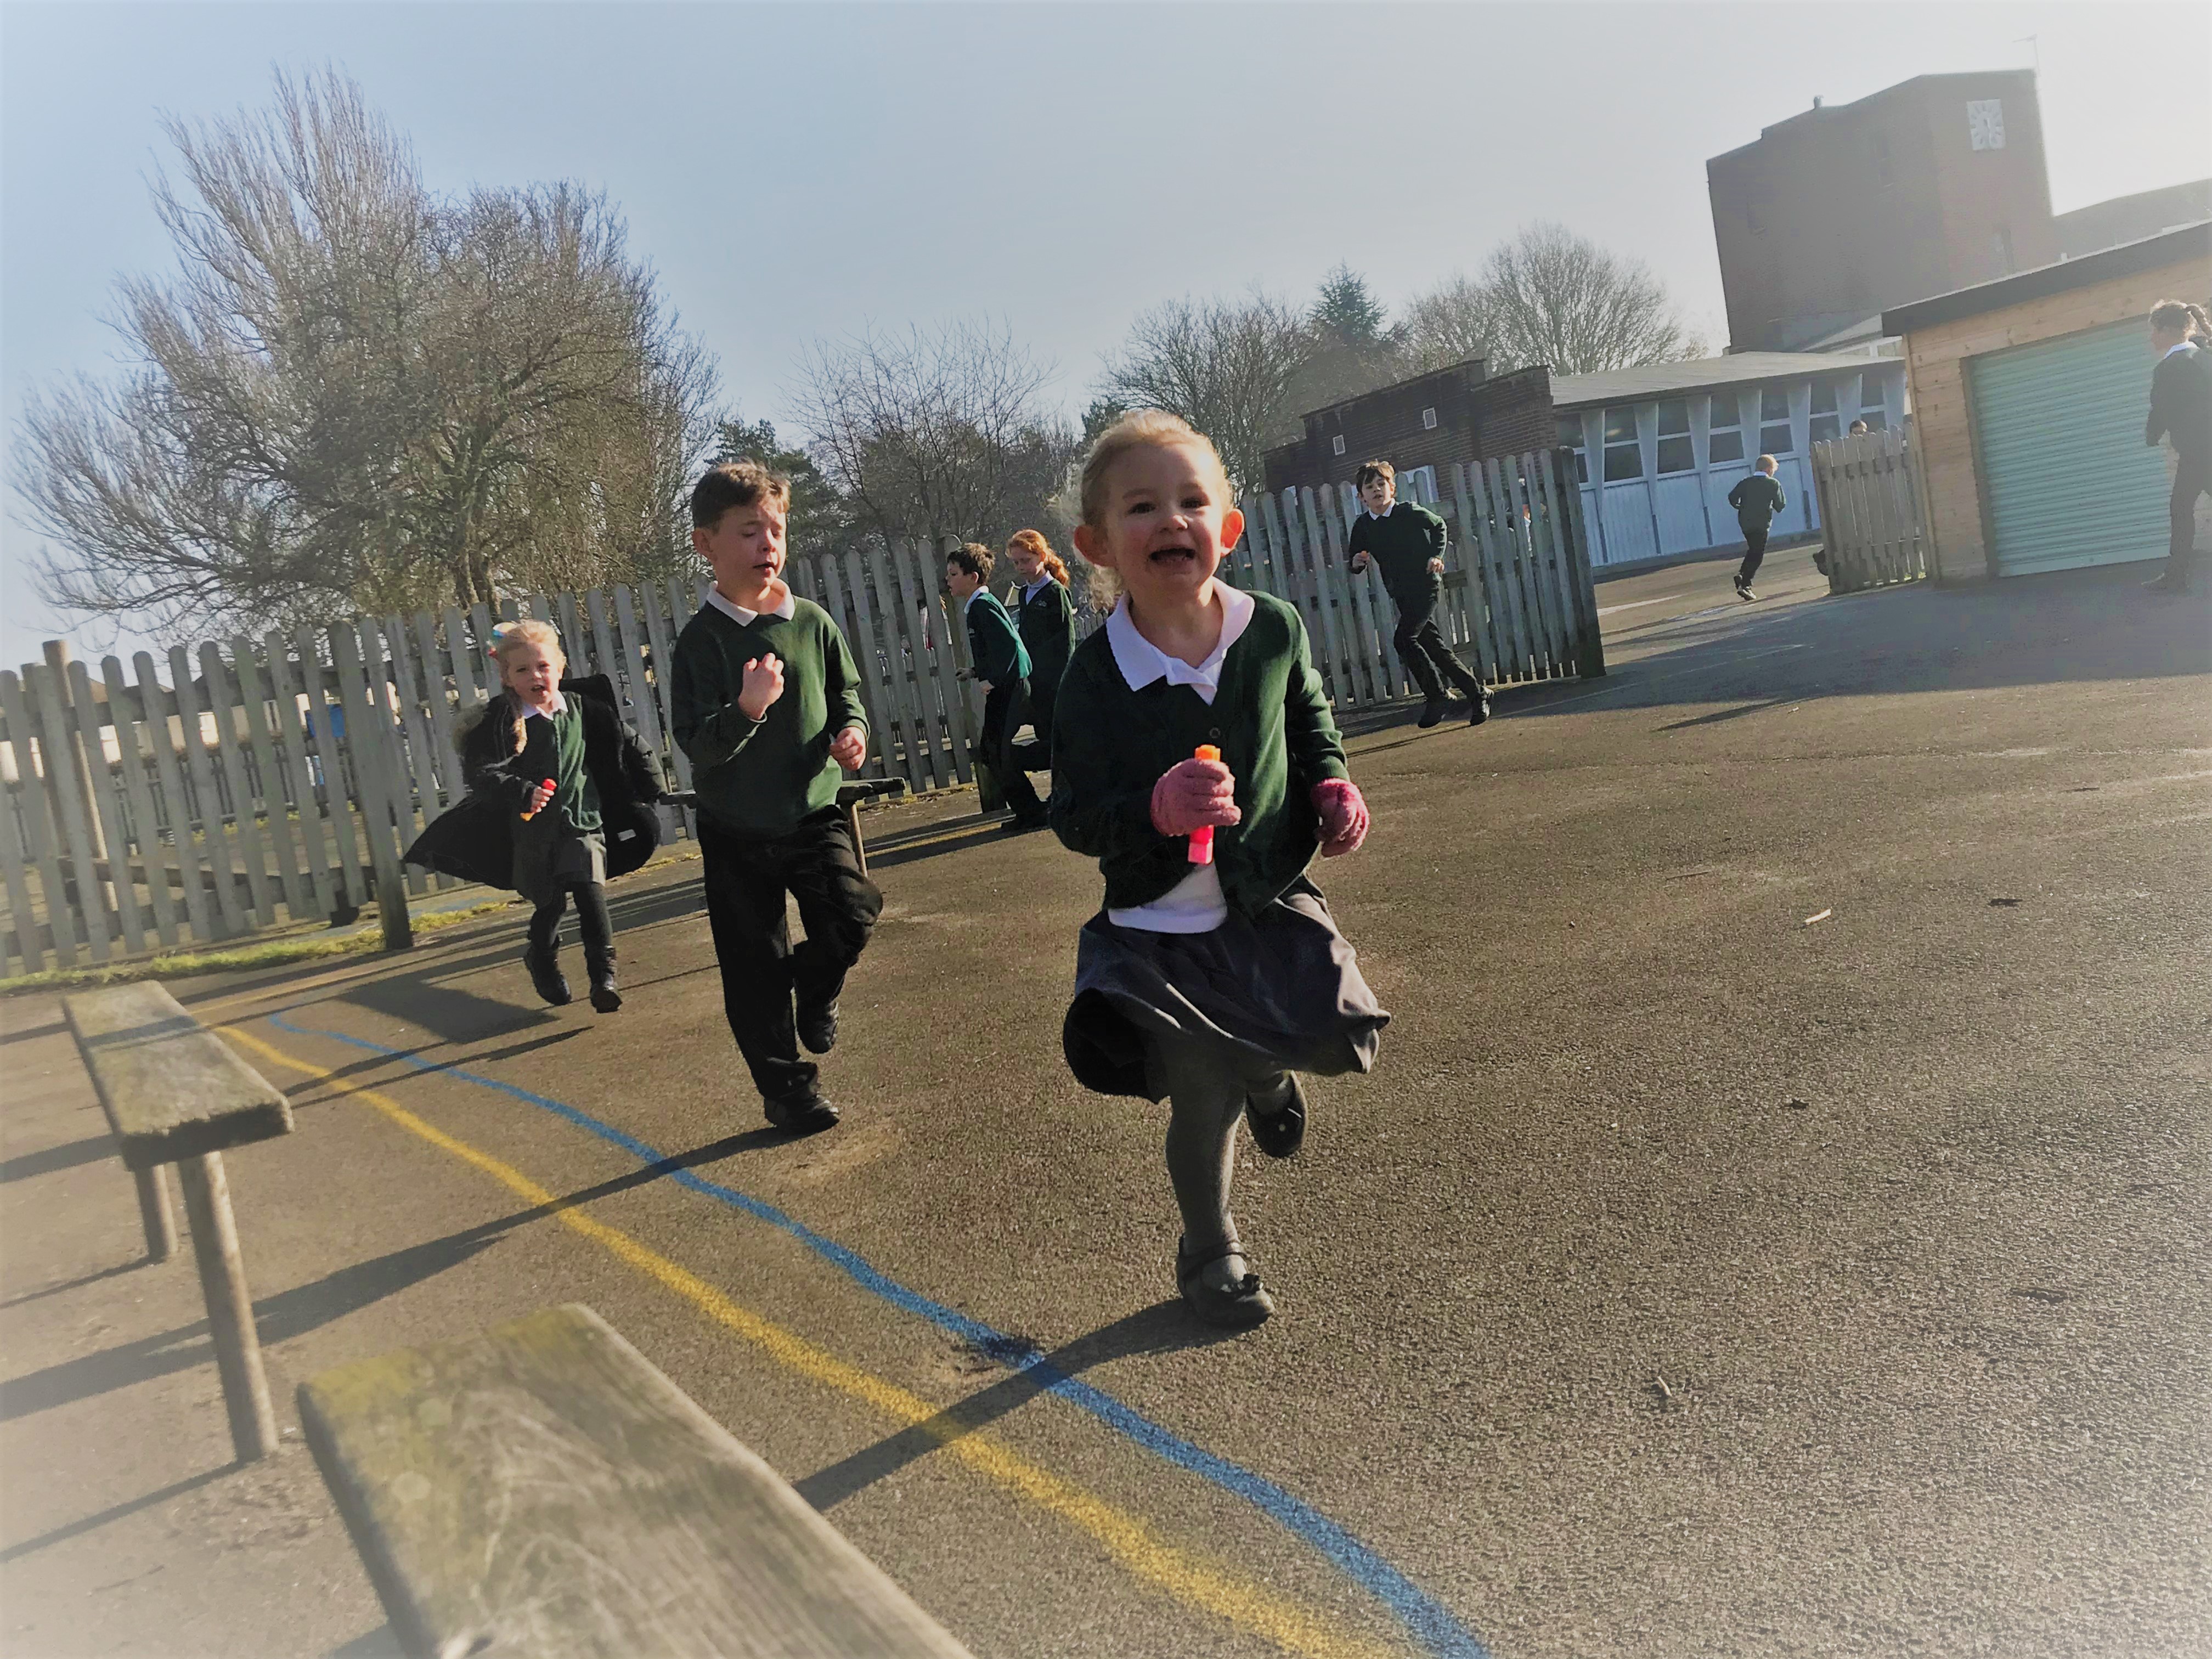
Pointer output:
x,y
765,698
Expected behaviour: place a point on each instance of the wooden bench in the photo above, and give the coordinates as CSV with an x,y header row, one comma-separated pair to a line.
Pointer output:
x,y
175,1093
545,1491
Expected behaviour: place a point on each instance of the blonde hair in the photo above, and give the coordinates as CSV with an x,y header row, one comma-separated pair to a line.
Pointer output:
x,y
530,631
1768,464
1141,428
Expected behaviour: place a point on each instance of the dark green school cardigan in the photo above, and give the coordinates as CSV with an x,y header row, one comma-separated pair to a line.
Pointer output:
x,y
1272,723
994,647
1048,627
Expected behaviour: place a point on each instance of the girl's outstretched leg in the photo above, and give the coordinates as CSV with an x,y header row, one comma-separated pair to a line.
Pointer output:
x,y
598,932
541,955
1205,1097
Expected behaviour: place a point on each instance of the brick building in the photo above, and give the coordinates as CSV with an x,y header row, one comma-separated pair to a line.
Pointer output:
x,y
1845,210
1422,427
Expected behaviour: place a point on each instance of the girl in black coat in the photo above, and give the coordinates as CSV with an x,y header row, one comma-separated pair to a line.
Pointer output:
x,y
559,801
2181,409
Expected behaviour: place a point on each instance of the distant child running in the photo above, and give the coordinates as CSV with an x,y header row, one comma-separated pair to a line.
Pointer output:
x,y
765,699
1002,668
1408,543
1756,499
549,768
1211,983
1046,617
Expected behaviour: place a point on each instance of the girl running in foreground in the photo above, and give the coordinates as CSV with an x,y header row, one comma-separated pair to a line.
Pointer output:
x,y
1211,983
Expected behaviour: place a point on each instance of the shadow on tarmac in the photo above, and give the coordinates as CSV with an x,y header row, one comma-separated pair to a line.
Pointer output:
x,y
308,1307
1161,1328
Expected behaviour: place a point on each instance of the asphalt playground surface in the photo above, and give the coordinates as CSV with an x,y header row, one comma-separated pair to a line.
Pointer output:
x,y
1692,1276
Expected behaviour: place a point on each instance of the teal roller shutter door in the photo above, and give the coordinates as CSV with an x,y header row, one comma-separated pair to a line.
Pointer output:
x,y
2066,477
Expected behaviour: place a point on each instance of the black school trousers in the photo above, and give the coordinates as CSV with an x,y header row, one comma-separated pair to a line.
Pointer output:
x,y
2192,478
1003,708
1754,550
1421,646
745,879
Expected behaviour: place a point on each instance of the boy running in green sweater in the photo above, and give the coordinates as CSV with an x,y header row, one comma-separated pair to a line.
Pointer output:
x,y
1408,543
765,699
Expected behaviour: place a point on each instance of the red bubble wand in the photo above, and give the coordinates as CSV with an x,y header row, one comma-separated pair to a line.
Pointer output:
x,y
1201,839
548,787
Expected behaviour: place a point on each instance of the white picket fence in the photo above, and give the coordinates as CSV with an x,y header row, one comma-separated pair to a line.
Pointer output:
x,y
277,781
1870,496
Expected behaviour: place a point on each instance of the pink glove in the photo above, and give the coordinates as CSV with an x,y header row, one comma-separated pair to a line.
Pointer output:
x,y
1194,793
1343,812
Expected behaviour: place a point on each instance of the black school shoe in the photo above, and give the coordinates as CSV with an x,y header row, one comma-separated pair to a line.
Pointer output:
x,y
818,1028
1280,1130
606,996
1433,710
1240,1308
1477,708
545,975
803,1114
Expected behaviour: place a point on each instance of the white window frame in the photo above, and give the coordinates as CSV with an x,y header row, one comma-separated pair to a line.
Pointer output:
x,y
1428,419
1336,445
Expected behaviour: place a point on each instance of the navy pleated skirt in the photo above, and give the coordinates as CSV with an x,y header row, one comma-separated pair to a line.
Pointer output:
x,y
1278,991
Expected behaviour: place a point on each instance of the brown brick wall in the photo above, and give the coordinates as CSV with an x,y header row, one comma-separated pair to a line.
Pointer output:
x,y
1476,418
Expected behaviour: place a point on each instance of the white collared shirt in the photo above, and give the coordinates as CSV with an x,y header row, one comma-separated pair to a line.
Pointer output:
x,y
1036,587
2179,345
1385,514
738,613
560,707
968,604
1195,904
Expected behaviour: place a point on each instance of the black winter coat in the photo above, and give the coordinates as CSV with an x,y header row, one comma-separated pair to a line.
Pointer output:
x,y
474,838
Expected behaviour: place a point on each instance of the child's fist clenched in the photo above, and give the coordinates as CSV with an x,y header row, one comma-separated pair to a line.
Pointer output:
x,y
1343,812
764,686
849,748
1193,795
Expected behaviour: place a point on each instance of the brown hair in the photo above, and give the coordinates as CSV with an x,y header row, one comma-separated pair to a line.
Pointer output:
x,y
528,630
2179,317
735,483
1371,470
1033,541
1768,464
973,557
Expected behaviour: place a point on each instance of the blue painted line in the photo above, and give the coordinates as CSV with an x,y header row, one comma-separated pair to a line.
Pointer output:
x,y
1427,1619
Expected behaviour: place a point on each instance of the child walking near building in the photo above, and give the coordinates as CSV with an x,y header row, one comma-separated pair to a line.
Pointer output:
x,y
764,696
1046,617
1002,667
1408,543
549,768
1756,499
1214,973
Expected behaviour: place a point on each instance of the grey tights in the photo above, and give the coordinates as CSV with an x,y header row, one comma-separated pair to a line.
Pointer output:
x,y
1205,1095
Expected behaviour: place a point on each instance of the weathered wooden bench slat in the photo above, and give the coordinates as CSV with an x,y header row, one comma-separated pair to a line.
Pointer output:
x,y
171,1088
545,1490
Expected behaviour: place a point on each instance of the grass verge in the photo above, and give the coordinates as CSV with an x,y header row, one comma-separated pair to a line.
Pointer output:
x,y
272,953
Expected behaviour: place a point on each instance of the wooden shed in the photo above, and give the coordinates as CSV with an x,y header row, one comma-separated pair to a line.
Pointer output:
x,y
2028,398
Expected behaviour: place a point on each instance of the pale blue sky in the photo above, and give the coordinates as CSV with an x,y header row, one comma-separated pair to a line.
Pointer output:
x,y
800,170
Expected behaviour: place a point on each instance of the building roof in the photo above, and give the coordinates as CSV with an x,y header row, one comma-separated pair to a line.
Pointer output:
x,y
1630,386
2169,247
1824,111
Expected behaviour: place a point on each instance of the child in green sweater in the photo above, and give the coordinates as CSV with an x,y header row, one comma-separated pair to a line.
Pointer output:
x,y
1408,543
765,698
1214,973
1756,499
1002,669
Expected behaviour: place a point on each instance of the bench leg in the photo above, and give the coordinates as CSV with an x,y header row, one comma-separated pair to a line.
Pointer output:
x,y
853,823
153,1210
230,1306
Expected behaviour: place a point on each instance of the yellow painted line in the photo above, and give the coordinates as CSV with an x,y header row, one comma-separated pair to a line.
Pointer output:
x,y
1128,1540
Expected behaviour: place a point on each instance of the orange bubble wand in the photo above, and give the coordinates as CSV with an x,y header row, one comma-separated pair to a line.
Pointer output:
x,y
1201,839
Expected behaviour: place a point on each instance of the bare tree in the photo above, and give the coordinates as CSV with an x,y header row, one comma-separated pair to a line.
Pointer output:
x,y
933,434
354,395
1551,296
1228,367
